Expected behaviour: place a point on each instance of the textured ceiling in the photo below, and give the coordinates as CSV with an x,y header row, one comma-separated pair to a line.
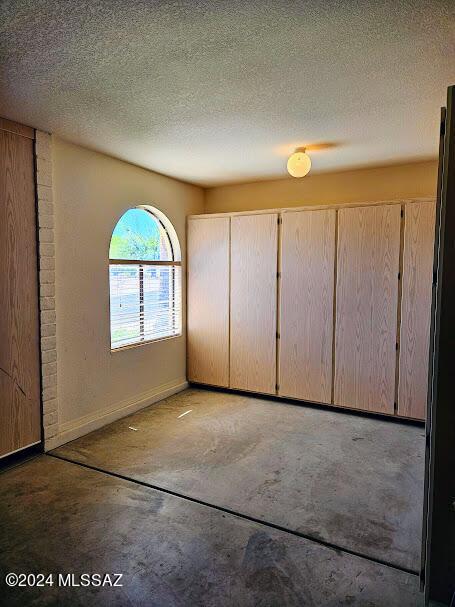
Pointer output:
x,y
221,91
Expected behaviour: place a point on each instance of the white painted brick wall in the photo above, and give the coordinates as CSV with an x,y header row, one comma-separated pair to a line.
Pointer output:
x,y
49,369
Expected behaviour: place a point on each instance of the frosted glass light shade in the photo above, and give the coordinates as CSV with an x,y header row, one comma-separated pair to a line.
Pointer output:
x,y
299,164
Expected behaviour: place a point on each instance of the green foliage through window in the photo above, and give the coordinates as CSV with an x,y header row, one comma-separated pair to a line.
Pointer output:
x,y
137,235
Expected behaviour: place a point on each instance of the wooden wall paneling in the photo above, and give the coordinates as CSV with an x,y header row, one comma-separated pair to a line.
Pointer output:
x,y
208,301
417,279
253,302
20,415
16,128
306,305
366,307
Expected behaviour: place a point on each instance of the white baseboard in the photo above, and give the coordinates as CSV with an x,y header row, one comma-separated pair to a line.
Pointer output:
x,y
77,428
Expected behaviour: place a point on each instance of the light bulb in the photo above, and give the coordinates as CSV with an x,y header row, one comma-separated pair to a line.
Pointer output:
x,y
299,164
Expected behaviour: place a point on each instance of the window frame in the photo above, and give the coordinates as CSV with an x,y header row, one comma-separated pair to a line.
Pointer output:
x,y
174,245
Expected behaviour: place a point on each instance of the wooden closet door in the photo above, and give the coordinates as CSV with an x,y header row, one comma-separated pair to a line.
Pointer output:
x,y
20,416
416,309
208,301
306,305
366,307
253,302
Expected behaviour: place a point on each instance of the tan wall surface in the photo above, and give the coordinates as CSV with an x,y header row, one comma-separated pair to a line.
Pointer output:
x,y
414,180
91,192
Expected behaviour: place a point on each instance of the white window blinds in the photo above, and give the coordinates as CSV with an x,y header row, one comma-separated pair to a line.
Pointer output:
x,y
145,301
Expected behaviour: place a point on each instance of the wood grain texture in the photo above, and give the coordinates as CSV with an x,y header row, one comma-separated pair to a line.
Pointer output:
x,y
306,305
416,309
16,128
314,207
20,423
366,307
253,302
208,301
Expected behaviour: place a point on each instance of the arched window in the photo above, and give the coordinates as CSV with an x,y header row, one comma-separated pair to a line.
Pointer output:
x,y
144,278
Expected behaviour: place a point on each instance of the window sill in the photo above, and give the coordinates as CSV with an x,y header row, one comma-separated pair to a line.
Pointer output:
x,y
147,342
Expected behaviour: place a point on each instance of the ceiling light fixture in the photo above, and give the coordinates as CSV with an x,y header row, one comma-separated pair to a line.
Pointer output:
x,y
299,163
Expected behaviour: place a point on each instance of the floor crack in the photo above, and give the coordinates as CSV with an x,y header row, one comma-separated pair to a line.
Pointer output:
x,y
252,519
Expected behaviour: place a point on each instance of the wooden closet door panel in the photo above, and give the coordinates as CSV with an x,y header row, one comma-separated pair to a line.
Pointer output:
x,y
208,301
366,307
306,305
416,309
20,423
253,302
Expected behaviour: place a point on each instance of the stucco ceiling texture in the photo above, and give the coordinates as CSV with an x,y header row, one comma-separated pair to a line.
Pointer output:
x,y
221,91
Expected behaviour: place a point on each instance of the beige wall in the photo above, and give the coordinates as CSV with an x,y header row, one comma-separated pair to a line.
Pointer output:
x,y
414,180
91,192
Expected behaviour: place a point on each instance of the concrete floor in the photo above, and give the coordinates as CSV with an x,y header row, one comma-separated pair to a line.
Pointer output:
x,y
60,517
354,482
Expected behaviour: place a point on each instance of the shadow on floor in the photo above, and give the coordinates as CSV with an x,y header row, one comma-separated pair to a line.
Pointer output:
x,y
58,517
354,482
